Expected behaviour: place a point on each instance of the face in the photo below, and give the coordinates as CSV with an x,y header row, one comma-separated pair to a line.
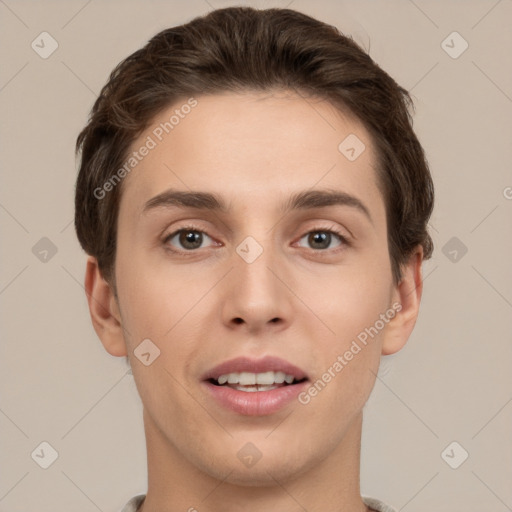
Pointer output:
x,y
279,278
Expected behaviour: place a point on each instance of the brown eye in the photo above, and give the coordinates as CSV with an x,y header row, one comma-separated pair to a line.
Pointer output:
x,y
321,239
187,238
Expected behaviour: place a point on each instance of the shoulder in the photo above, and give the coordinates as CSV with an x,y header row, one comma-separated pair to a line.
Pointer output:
x,y
376,505
134,503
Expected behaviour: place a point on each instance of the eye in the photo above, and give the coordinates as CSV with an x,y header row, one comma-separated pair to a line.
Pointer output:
x,y
320,239
190,238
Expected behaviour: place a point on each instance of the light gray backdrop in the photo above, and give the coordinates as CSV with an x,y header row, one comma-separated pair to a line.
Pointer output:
x,y
451,384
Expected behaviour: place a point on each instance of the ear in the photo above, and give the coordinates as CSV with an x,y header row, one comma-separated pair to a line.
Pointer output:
x,y
407,293
104,310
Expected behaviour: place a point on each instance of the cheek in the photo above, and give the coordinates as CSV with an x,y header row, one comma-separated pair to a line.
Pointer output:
x,y
169,306
346,363
153,297
351,303
348,299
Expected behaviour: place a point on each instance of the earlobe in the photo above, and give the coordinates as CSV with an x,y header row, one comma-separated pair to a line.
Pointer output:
x,y
408,294
103,307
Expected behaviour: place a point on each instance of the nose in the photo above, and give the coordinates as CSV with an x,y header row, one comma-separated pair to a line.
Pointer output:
x,y
256,295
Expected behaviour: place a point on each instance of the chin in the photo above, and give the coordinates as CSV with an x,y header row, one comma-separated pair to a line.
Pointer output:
x,y
260,475
271,466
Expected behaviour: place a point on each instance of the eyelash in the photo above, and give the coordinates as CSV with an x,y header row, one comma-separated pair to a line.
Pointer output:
x,y
344,242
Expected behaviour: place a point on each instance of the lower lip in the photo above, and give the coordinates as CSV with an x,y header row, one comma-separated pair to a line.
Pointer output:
x,y
256,403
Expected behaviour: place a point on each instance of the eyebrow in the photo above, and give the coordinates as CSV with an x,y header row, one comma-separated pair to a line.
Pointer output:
x,y
303,200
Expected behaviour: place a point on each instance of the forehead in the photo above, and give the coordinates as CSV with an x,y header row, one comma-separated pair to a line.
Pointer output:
x,y
251,145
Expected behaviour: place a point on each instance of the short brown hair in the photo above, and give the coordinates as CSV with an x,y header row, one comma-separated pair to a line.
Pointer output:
x,y
244,49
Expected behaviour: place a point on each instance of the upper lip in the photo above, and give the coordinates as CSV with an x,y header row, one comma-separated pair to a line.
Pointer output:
x,y
247,364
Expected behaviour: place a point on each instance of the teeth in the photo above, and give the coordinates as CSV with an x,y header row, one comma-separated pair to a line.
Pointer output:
x,y
250,379
252,389
223,379
246,379
279,377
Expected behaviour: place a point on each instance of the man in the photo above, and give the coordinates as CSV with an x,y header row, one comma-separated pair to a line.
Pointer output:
x,y
254,203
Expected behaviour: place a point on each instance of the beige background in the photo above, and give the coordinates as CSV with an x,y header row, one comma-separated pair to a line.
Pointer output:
x,y
452,382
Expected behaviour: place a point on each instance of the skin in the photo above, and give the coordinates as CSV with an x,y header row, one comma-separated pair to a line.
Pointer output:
x,y
255,150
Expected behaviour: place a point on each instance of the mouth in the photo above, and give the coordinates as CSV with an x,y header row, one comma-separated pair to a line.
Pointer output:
x,y
251,374
255,387
252,382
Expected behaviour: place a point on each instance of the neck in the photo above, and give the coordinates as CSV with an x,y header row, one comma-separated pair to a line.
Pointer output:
x,y
174,483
